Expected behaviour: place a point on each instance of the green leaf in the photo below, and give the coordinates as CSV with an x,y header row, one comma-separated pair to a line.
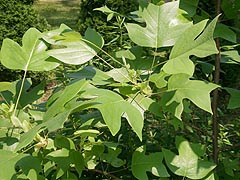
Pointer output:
x,y
28,137
64,158
112,157
119,74
63,142
31,56
142,163
190,6
164,25
225,32
96,76
64,96
230,57
5,86
112,107
30,166
234,101
187,163
193,41
8,161
159,79
180,88
71,48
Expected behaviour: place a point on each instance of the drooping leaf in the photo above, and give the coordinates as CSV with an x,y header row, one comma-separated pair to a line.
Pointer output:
x,y
28,137
8,161
180,87
164,24
230,57
224,31
234,101
194,41
72,48
112,107
63,97
188,163
31,56
141,163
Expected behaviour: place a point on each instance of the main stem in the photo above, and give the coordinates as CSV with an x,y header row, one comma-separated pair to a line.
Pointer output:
x,y
215,94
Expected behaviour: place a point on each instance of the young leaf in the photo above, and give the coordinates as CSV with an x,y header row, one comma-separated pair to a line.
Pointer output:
x,y
164,25
230,57
142,163
193,41
71,48
31,56
180,87
187,163
234,101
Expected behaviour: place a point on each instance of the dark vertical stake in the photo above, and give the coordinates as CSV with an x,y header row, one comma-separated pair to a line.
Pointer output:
x,y
215,94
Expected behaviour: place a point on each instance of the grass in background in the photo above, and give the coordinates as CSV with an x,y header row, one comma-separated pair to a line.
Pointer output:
x,y
59,11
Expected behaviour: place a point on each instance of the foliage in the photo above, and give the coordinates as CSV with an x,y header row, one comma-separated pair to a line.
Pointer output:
x,y
16,18
120,123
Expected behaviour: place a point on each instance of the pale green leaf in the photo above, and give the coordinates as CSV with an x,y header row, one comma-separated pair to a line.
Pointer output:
x,y
142,163
194,41
164,25
187,163
234,101
71,48
180,88
159,79
119,74
8,161
5,86
31,56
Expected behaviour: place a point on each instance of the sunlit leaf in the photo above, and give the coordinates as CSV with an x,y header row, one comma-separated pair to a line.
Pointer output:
x,y
194,41
188,163
112,107
31,56
180,87
164,25
141,163
71,48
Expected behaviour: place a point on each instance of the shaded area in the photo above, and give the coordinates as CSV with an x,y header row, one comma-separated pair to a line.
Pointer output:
x,y
59,11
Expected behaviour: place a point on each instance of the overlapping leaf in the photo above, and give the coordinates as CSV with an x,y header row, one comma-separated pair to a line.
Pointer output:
x,y
164,25
31,56
194,41
71,48
180,87
142,163
187,163
112,107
